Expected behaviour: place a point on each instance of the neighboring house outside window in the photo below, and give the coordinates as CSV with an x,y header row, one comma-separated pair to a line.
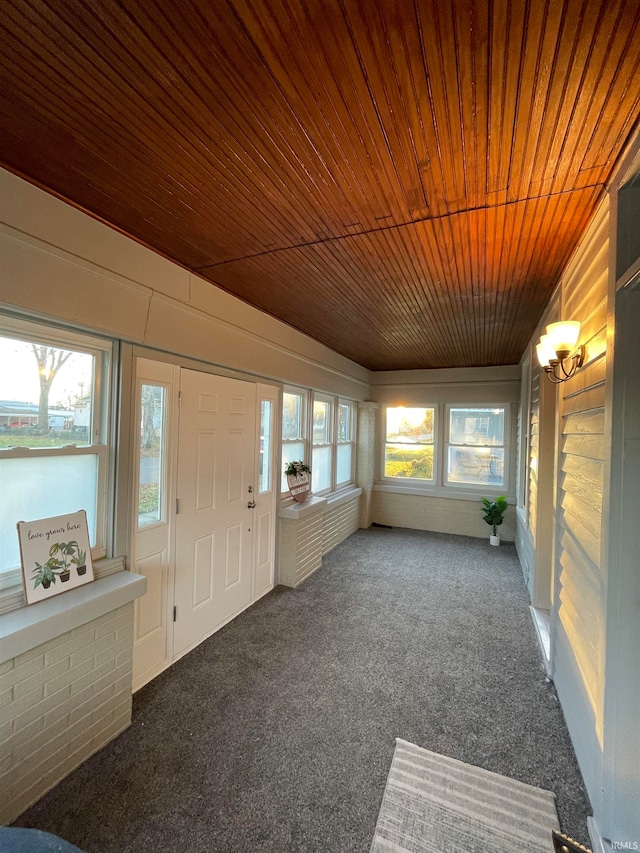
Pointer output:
x,y
476,445
447,447
54,396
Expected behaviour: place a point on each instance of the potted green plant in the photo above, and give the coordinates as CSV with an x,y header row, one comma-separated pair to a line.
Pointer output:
x,y
67,549
493,512
80,560
294,469
47,574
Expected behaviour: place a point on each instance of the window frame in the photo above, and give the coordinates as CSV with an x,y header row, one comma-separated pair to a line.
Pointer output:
x,y
411,482
440,486
99,440
350,404
483,488
318,397
304,432
334,401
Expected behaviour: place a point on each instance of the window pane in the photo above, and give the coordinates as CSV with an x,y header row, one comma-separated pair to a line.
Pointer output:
x,y
291,416
41,487
45,395
402,460
414,425
291,452
344,422
321,415
476,426
321,469
265,446
343,474
152,439
476,465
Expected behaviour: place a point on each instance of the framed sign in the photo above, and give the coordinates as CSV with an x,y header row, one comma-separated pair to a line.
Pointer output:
x,y
299,486
55,554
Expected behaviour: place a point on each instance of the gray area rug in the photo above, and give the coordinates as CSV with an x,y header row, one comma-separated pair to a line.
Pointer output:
x,y
277,733
435,804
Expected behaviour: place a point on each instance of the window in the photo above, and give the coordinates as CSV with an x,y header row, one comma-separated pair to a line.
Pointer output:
x,y
266,426
409,443
53,430
476,446
151,474
344,430
293,429
322,453
327,427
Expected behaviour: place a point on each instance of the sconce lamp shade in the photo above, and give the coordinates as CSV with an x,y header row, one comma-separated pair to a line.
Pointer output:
x,y
545,351
563,337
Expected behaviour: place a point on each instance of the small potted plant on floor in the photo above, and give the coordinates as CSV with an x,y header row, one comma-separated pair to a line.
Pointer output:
x,y
493,512
47,574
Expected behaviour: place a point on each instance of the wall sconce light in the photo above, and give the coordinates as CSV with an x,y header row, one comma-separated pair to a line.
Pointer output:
x,y
555,348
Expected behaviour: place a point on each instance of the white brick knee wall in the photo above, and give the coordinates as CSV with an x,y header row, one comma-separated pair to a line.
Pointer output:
x,y
59,703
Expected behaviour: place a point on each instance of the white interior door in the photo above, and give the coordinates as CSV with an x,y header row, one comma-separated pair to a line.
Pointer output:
x,y
215,485
155,422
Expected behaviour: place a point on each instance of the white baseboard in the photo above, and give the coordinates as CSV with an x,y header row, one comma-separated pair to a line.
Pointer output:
x,y
597,844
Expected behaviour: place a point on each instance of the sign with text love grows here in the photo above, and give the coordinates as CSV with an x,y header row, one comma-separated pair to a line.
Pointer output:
x,y
55,554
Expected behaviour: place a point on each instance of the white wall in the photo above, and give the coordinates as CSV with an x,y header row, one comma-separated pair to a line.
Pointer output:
x,y
401,506
59,263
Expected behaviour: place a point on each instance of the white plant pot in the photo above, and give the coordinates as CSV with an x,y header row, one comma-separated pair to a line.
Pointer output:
x,y
494,540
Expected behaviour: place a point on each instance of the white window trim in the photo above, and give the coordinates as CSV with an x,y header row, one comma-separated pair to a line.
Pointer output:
x,y
318,397
483,488
11,588
411,483
345,484
309,396
305,416
439,487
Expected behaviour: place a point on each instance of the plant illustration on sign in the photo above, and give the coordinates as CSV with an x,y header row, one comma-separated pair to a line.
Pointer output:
x,y
67,549
80,560
46,574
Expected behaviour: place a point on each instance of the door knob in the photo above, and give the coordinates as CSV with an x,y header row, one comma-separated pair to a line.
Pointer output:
x,y
251,505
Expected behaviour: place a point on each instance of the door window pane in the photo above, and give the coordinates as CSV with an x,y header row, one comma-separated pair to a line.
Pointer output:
x,y
152,440
265,446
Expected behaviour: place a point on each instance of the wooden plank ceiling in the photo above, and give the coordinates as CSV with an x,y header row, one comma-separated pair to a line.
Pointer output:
x,y
402,180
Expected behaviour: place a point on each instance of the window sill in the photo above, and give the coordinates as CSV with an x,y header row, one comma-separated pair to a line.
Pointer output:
x,y
318,503
28,627
462,493
12,592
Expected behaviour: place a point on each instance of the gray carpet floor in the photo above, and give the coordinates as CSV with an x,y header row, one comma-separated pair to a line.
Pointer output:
x,y
277,733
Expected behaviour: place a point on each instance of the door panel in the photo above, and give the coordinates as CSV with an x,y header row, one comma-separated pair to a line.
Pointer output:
x,y
216,452
155,419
